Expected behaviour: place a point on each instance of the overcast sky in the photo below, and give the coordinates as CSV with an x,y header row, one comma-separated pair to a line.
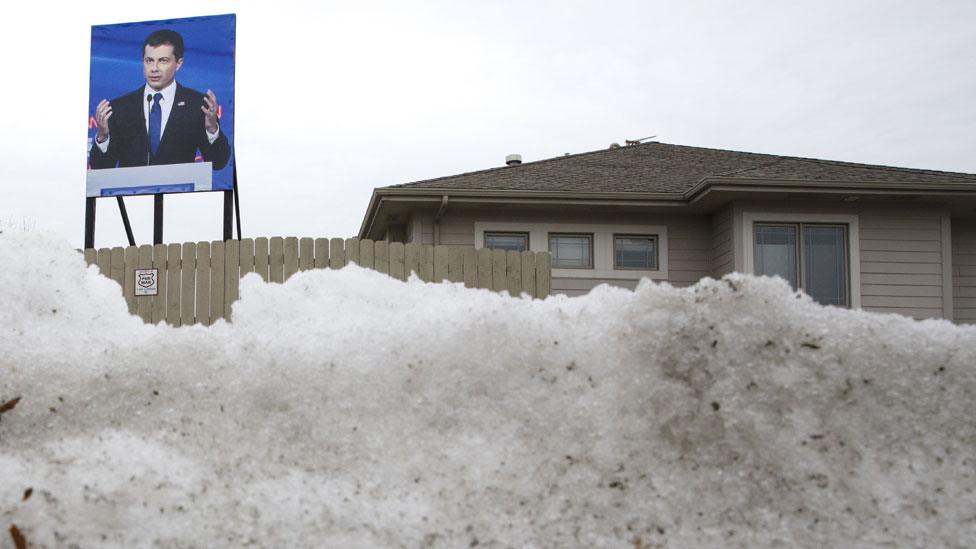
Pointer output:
x,y
334,99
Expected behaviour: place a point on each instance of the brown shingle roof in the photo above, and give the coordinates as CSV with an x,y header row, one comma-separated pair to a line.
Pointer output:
x,y
664,168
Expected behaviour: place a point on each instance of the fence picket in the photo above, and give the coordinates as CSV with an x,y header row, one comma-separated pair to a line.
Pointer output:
x,y
291,256
188,262
513,272
440,263
337,255
470,261
276,260
381,257
528,273
396,261
129,281
411,259
455,264
144,302
484,268
306,254
203,283
118,266
217,260
321,253
352,251
91,256
232,274
174,285
261,258
426,263
104,261
543,273
247,256
366,253
159,300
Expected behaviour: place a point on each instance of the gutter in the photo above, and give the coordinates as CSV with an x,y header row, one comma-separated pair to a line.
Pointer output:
x,y
437,220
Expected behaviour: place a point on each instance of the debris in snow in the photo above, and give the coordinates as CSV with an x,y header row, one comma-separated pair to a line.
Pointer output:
x,y
9,405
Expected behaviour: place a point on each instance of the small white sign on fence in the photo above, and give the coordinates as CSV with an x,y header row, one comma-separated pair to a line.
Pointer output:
x,y
147,282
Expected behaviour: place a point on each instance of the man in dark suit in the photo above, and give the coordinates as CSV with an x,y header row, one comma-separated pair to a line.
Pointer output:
x,y
161,122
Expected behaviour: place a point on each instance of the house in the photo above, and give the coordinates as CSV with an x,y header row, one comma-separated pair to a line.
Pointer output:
x,y
880,238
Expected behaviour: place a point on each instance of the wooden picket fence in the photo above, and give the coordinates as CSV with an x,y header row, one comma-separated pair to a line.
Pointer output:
x,y
198,281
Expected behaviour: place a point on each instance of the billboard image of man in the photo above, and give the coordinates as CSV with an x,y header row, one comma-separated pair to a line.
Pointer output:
x,y
161,122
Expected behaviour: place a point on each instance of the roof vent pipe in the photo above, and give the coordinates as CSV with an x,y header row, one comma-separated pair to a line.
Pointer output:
x,y
513,160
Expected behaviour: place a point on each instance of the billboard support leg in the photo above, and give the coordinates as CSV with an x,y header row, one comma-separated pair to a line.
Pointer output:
x,y
228,215
237,202
158,219
125,221
90,222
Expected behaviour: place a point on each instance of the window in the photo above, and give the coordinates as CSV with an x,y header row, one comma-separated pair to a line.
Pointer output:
x,y
810,256
507,241
635,252
571,251
586,250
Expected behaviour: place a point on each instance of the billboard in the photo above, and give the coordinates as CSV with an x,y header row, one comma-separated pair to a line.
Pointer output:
x,y
161,107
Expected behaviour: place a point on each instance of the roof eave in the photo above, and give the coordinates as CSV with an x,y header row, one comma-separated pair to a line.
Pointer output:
x,y
649,199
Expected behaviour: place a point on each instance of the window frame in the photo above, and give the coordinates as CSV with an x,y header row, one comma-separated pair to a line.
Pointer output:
x,y
587,236
528,239
747,244
602,246
652,237
800,252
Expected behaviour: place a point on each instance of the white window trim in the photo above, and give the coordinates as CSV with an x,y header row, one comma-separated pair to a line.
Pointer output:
x,y
749,219
602,246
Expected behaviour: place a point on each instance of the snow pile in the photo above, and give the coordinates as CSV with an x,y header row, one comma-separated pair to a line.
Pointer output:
x,y
345,408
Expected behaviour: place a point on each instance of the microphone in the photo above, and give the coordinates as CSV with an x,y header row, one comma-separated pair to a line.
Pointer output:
x,y
149,100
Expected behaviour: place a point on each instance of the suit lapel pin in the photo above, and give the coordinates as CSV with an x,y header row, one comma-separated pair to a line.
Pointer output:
x,y
181,104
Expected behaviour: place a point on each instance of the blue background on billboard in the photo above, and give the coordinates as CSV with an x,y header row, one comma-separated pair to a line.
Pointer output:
x,y
208,63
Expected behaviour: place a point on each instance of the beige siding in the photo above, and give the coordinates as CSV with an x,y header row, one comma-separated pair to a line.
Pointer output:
x,y
964,270
457,231
723,259
901,263
689,249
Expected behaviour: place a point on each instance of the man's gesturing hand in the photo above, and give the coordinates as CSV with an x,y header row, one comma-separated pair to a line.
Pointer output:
x,y
102,113
209,109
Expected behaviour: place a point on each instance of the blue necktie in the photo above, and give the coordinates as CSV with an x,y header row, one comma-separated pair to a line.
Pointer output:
x,y
155,124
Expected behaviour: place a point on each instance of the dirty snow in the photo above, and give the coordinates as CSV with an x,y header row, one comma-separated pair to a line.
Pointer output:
x,y
347,409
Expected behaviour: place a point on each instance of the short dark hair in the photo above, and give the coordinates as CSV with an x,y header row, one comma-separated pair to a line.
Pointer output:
x,y
165,36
